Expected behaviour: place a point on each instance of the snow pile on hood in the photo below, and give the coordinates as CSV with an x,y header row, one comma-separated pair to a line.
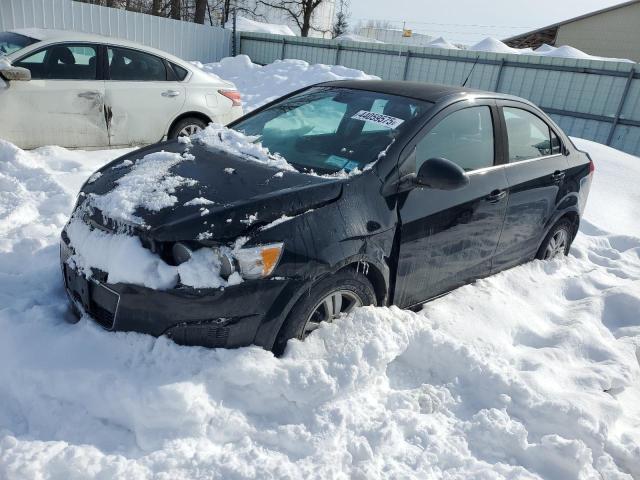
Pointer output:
x,y
236,143
262,84
531,373
148,184
244,24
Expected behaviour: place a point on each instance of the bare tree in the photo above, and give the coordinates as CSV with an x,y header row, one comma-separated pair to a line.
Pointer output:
x,y
156,8
300,11
200,11
217,11
175,9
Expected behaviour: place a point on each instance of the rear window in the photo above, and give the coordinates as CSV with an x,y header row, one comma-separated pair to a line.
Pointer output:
x,y
133,65
12,42
181,73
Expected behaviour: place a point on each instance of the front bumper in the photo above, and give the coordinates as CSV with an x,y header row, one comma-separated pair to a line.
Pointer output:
x,y
229,317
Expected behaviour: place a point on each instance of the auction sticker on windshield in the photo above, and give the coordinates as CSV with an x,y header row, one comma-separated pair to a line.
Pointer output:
x,y
378,119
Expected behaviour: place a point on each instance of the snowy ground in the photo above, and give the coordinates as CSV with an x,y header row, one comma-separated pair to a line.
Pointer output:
x,y
532,373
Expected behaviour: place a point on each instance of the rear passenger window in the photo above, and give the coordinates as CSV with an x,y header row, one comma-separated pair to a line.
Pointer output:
x,y
465,137
181,73
132,65
62,62
529,136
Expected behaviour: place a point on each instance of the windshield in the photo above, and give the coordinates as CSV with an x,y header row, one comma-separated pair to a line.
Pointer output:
x,y
327,129
12,42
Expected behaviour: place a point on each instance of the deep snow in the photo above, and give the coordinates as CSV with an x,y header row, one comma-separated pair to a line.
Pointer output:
x,y
532,373
261,84
244,24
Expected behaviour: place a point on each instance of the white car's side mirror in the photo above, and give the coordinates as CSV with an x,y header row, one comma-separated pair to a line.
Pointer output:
x,y
16,73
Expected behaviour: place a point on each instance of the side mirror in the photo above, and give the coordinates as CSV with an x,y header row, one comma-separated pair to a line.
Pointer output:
x,y
441,174
16,73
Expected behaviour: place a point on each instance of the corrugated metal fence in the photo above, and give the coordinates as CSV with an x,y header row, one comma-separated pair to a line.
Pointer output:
x,y
595,100
185,40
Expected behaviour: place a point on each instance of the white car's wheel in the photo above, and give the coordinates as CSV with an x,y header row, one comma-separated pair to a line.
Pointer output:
x,y
186,127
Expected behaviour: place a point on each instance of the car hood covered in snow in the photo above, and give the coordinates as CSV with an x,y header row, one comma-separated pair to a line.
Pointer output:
x,y
176,191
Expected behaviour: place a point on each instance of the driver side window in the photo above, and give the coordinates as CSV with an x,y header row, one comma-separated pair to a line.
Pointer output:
x,y
62,62
465,137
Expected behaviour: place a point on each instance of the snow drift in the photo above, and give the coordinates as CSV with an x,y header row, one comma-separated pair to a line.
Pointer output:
x,y
244,24
262,84
528,374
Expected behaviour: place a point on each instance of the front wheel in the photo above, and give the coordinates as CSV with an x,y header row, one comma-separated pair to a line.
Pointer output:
x,y
557,242
327,300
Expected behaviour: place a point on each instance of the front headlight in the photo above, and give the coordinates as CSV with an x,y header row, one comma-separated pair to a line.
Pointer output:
x,y
251,263
258,262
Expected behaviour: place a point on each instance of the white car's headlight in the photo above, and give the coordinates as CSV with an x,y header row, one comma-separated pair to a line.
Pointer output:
x,y
258,262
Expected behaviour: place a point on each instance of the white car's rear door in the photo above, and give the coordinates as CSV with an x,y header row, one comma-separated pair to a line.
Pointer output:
x,y
140,98
63,103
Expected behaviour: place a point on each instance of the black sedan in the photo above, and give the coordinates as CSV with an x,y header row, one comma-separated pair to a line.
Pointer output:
x,y
400,193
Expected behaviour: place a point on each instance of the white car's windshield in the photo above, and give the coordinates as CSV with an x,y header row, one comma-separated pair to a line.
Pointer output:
x,y
326,129
12,42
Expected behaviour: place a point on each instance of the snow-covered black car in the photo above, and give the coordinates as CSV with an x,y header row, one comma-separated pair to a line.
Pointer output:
x,y
336,196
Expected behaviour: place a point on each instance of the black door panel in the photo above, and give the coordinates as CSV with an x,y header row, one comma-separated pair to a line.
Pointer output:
x,y
534,193
536,172
448,237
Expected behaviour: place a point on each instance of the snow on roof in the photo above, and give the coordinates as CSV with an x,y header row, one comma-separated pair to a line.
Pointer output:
x,y
494,45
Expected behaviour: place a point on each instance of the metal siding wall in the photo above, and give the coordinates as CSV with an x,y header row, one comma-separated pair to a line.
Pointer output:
x,y
576,88
186,40
631,108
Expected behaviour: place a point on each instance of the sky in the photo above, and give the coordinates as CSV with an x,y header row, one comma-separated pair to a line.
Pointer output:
x,y
469,21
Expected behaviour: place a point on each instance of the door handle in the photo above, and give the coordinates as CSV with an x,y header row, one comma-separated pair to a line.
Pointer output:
x,y
557,176
495,196
170,93
89,95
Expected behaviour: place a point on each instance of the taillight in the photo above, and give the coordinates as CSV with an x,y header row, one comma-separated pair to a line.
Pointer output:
x,y
592,167
232,95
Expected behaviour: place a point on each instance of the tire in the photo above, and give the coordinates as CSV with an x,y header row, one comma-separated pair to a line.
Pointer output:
x,y
557,242
185,125
311,309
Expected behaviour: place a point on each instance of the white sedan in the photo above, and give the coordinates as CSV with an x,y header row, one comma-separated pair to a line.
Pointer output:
x,y
79,90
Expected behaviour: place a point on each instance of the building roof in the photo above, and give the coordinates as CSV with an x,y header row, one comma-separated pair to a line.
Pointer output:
x,y
571,20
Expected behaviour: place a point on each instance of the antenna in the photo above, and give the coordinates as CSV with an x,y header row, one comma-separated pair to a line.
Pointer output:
x,y
464,84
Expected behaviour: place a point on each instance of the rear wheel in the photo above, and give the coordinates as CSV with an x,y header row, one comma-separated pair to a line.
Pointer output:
x,y
186,127
557,242
327,300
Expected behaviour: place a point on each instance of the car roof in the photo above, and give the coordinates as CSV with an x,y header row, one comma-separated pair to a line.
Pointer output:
x,y
52,35
430,92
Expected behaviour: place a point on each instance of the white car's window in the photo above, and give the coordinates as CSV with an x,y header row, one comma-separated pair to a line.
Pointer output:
x,y
132,65
12,42
529,137
181,73
62,62
465,137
